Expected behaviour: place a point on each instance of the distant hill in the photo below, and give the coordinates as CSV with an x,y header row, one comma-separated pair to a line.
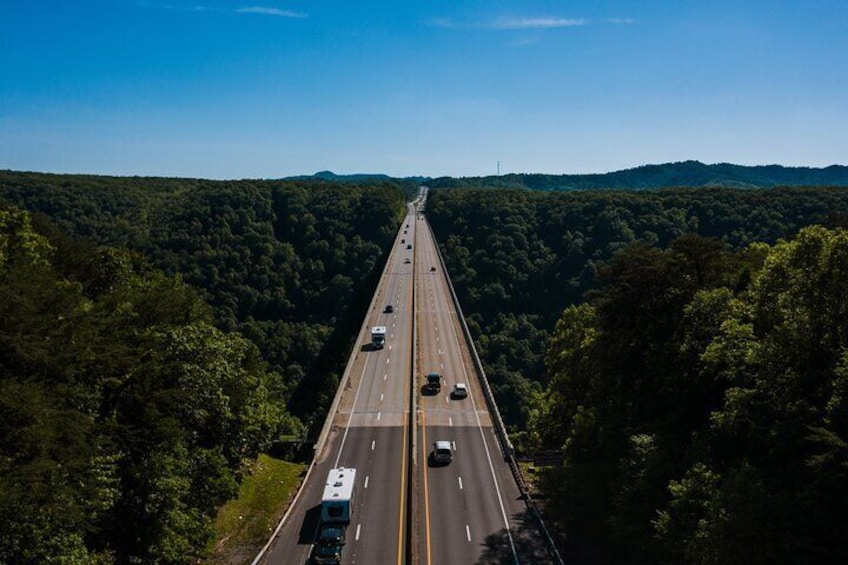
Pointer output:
x,y
358,177
682,174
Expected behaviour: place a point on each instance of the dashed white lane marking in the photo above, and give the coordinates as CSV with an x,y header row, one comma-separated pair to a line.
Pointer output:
x,y
379,414
366,481
374,442
390,347
381,397
446,400
460,482
385,376
387,361
450,421
358,526
467,533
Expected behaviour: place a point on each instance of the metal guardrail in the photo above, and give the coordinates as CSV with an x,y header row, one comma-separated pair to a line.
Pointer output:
x,y
500,429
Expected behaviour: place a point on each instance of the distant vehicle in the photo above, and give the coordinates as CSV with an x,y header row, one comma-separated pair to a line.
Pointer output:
x,y
407,225
328,544
459,390
432,269
389,309
403,241
378,336
407,260
338,494
409,246
442,452
434,382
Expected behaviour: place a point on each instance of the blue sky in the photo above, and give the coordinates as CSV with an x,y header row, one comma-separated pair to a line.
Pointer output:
x,y
262,88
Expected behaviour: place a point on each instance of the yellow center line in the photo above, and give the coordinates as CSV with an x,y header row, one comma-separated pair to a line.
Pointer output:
x,y
402,497
426,493
400,552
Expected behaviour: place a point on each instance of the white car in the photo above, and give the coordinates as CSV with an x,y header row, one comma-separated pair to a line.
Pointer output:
x,y
442,452
459,390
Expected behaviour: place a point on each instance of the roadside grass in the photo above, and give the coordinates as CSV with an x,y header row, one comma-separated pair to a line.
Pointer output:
x,y
528,471
244,524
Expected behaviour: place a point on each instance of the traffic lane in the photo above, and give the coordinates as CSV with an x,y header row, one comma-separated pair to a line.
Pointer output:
x,y
468,511
391,360
294,541
375,533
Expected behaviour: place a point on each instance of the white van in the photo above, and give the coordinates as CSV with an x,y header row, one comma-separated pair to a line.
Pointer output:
x,y
442,452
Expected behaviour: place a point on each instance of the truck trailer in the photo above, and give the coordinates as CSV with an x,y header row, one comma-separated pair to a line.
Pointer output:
x,y
378,337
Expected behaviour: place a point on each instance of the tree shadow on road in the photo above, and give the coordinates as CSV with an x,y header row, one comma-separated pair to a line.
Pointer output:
x,y
530,546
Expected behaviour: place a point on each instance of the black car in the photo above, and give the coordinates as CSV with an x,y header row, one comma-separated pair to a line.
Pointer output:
x,y
331,534
328,545
327,554
389,309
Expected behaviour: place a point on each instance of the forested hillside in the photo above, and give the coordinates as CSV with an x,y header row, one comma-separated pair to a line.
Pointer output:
x,y
682,174
689,364
125,415
700,399
288,264
519,258
155,335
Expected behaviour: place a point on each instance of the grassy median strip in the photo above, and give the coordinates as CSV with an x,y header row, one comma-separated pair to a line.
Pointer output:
x,y
244,523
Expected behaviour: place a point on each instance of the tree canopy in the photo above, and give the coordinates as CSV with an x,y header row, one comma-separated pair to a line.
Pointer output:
x,y
125,415
699,397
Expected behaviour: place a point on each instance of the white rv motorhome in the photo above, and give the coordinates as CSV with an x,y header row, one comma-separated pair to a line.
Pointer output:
x,y
338,494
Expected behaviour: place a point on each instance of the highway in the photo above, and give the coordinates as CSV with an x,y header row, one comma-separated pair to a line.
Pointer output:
x,y
473,510
469,511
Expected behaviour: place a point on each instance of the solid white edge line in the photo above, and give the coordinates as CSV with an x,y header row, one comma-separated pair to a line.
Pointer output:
x,y
488,454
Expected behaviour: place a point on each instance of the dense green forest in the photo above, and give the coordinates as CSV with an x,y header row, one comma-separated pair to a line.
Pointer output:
x,y
684,348
155,335
288,264
125,415
519,258
692,376
700,397
682,174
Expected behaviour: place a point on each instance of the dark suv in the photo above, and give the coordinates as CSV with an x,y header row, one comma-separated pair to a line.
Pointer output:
x,y
328,545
